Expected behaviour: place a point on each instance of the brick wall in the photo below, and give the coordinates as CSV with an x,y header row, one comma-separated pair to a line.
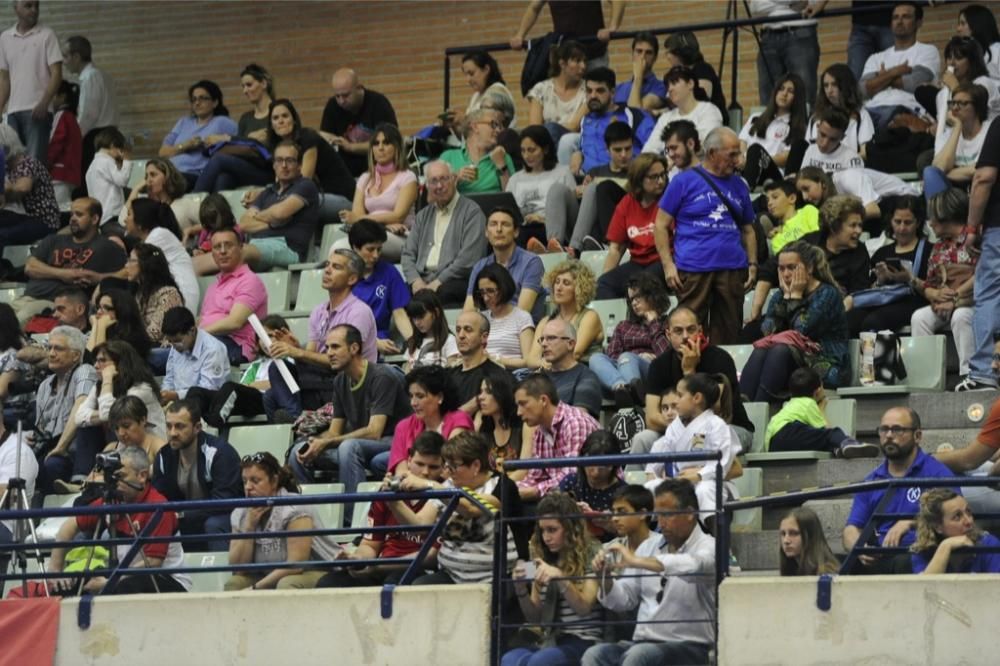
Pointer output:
x,y
155,50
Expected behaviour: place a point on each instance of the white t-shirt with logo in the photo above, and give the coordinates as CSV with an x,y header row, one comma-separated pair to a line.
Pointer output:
x,y
844,157
775,136
859,131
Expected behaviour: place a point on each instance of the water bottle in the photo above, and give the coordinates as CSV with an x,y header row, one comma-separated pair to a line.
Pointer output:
x,y
609,330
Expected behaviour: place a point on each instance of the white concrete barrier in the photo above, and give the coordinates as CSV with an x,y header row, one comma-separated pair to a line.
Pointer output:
x,y
873,620
441,624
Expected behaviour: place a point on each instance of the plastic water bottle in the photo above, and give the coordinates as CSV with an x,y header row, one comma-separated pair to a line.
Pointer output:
x,y
609,330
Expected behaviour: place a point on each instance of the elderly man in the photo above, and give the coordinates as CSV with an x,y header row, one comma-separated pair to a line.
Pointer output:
x,y
30,74
56,403
98,108
351,116
705,238
481,165
235,295
447,239
576,383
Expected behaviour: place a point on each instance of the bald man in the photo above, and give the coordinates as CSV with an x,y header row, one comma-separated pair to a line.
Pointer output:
x,y
350,118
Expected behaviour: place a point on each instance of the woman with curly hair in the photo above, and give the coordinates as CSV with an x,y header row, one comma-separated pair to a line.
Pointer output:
x,y
155,288
562,551
945,522
803,550
573,287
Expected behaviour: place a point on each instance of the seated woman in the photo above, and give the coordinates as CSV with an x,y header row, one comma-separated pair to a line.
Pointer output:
x,y
979,22
489,90
898,263
118,318
840,90
635,342
435,407
962,129
386,192
559,102
808,312
945,523
767,138
214,213
155,293
65,151
632,228
594,487
571,283
27,183
682,50
511,328
682,83
542,180
965,63
950,277
803,549
128,419
264,476
153,223
432,342
498,422
209,123
165,184
562,553
241,164
11,369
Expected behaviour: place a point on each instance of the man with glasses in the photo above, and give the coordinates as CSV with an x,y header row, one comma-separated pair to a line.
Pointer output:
x,y
447,239
670,582
575,382
281,220
197,466
899,438
481,165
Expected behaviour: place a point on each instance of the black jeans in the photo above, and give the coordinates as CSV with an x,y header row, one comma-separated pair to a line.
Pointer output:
x,y
765,376
798,436
136,584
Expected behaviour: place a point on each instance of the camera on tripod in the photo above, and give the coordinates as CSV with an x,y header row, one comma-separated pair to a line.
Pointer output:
x,y
108,464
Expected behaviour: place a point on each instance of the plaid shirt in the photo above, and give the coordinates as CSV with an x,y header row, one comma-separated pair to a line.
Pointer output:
x,y
570,426
639,338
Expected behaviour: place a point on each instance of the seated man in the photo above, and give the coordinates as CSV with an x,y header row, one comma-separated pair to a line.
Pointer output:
x,y
235,295
312,362
351,116
650,92
197,466
57,401
502,227
560,430
81,258
369,399
71,307
380,287
132,486
899,437
576,382
198,364
281,220
424,463
481,166
471,332
447,239
676,609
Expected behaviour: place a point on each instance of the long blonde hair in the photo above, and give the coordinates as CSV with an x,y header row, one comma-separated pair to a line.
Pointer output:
x,y
931,517
578,545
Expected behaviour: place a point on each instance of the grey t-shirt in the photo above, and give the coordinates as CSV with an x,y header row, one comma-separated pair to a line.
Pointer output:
x,y
383,392
61,251
579,387
275,549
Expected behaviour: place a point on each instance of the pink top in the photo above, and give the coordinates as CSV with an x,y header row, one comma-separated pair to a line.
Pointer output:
x,y
386,202
241,286
408,429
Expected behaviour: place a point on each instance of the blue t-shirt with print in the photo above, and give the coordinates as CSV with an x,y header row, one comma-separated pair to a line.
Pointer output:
x,y
383,291
706,238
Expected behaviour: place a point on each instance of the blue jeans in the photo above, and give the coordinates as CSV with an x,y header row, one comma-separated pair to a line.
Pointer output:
x,y
18,229
881,115
629,653
555,131
227,172
787,52
612,374
866,40
214,523
986,318
34,134
569,143
568,652
351,458
279,396
935,182
233,350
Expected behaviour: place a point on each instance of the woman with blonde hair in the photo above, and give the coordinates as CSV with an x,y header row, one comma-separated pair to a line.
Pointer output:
x,y
945,522
573,287
803,550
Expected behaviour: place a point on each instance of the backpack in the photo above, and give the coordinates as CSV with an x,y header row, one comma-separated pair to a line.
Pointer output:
x,y
626,424
536,61
889,366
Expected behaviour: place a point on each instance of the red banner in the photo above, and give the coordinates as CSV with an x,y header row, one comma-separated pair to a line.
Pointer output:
x,y
28,631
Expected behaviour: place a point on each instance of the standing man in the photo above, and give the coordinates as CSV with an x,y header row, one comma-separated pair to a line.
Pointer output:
x,y
197,466
573,19
681,146
30,74
98,108
705,238
576,383
787,47
351,116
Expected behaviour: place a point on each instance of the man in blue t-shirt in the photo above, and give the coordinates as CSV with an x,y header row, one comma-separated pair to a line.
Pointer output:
x,y
705,238
381,287
651,92
899,437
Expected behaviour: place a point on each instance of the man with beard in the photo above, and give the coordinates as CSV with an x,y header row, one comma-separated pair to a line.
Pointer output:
x,y
681,146
899,438
80,258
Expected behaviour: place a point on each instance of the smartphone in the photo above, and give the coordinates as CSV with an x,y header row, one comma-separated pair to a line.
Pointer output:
x,y
530,569
894,263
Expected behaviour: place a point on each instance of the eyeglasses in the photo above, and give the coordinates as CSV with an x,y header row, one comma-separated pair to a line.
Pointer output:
x,y
59,349
893,430
452,464
553,338
651,177
492,123
439,182
200,98
286,161
959,103
488,291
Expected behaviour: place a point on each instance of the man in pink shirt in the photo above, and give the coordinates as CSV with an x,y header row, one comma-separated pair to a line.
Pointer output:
x,y
30,74
236,294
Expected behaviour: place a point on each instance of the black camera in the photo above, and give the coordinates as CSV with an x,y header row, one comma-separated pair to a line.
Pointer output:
x,y
108,464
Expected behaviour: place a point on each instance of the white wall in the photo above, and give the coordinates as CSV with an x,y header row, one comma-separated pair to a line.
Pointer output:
x,y
440,625
873,620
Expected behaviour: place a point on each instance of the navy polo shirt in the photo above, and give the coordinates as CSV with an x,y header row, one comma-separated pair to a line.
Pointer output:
x,y
904,500
383,291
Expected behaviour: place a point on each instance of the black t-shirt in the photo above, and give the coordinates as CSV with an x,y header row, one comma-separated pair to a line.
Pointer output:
x,y
332,174
467,382
358,127
573,18
889,252
665,372
249,123
61,251
989,156
702,70
382,393
850,268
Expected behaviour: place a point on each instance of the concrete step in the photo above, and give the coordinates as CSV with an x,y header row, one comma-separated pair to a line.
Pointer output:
x,y
937,410
782,476
756,550
832,514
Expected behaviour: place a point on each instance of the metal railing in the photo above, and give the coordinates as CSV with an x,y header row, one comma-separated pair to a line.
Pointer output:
x,y
728,26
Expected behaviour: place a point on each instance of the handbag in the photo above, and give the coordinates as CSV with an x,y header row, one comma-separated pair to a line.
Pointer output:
x,y
879,296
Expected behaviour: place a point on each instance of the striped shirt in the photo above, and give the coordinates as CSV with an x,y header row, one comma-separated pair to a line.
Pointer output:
x,y
587,626
505,333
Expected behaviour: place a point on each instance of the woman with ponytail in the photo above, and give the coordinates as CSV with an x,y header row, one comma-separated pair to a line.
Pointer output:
x,y
264,476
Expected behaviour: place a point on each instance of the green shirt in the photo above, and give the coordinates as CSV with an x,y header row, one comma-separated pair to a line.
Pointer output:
x,y
489,177
803,410
805,222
